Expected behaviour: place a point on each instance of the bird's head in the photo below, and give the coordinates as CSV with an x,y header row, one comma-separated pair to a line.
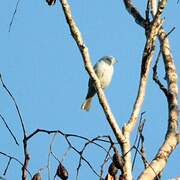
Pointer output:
x,y
109,60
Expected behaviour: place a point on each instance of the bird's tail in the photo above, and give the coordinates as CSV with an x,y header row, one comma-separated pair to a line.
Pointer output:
x,y
87,104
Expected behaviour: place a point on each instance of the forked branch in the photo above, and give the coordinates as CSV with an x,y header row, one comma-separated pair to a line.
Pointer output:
x,y
89,68
171,139
171,93
146,62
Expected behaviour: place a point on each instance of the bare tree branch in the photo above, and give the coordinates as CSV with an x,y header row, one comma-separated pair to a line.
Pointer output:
x,y
71,146
152,31
148,12
105,161
15,11
155,76
88,66
25,145
149,165
49,154
170,141
139,138
145,67
146,62
5,171
144,159
15,103
14,137
15,159
135,13
153,7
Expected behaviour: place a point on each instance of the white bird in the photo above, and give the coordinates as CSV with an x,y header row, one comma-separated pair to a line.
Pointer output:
x,y
104,70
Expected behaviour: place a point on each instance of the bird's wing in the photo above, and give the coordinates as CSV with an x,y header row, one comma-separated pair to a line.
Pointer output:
x,y
91,89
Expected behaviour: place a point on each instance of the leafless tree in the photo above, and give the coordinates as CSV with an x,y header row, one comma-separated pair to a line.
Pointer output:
x,y
121,157
153,30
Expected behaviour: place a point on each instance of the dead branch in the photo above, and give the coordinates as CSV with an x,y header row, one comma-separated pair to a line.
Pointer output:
x,y
25,145
152,31
135,13
71,146
15,103
66,136
142,149
89,68
139,139
105,161
145,67
49,155
144,160
10,158
14,13
171,94
153,7
14,137
155,76
146,62
170,141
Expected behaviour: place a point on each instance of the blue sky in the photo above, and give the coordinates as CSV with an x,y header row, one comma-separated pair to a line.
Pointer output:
x,y
43,68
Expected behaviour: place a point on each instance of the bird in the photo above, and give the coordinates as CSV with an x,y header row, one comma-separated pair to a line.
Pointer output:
x,y
104,69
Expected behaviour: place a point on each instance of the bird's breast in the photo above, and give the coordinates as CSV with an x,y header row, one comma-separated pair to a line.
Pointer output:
x,y
104,73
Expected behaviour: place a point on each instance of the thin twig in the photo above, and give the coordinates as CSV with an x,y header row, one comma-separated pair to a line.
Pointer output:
x,y
15,103
69,143
14,13
65,154
25,145
169,32
84,159
155,76
147,12
14,137
83,149
138,138
37,131
142,146
70,146
137,133
9,161
170,141
49,155
105,161
15,159
142,156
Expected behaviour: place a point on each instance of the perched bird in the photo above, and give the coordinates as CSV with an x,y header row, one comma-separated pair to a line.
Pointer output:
x,y
104,71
